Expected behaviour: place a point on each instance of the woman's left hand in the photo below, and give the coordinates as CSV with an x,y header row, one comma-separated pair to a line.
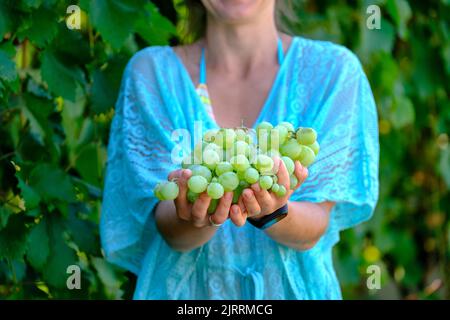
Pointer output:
x,y
256,202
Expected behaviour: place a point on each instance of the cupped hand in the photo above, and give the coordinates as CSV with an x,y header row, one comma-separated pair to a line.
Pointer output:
x,y
256,202
197,213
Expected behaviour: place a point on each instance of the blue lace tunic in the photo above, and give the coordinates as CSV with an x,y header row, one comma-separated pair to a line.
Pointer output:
x,y
320,85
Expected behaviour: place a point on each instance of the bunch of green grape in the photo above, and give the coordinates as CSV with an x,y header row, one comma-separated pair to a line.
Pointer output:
x,y
233,159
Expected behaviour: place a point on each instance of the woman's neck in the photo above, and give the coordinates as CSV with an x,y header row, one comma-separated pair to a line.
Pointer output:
x,y
241,47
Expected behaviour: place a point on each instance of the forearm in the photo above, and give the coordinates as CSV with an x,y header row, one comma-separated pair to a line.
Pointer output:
x,y
179,234
305,223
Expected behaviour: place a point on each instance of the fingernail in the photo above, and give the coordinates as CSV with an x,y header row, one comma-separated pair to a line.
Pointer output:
x,y
235,210
256,187
186,173
247,194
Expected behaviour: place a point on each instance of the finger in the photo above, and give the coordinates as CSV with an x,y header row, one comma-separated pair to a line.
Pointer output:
x,y
283,175
237,216
250,202
174,174
262,196
181,201
200,210
223,208
301,173
241,204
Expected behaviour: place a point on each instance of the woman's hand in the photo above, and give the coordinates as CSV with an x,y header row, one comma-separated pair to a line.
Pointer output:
x,y
197,213
256,202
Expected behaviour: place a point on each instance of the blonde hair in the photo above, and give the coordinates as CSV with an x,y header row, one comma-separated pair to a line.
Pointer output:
x,y
195,20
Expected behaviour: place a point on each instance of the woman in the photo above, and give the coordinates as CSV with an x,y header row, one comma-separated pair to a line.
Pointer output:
x,y
241,70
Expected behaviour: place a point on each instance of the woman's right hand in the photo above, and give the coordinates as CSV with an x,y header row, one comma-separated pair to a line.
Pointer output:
x,y
197,213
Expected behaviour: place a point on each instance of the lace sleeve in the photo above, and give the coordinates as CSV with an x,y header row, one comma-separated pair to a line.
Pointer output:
x,y
346,170
138,157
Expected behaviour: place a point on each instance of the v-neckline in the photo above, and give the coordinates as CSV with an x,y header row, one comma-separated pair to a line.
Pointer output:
x,y
268,99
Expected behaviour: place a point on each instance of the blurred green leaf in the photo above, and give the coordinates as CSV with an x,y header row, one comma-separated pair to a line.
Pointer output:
x,y
61,256
8,71
38,245
62,80
444,166
52,183
114,19
401,12
403,112
13,239
30,196
40,26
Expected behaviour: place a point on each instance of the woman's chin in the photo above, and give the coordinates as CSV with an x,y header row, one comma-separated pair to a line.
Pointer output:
x,y
235,11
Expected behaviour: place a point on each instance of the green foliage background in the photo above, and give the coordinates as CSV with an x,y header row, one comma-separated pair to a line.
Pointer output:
x,y
57,92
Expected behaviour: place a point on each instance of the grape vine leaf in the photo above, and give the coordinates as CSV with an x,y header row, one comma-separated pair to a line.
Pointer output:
x,y
41,27
13,238
52,183
60,256
114,19
29,195
62,79
38,245
8,71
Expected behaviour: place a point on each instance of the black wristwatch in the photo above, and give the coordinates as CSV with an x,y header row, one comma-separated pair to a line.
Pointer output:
x,y
270,219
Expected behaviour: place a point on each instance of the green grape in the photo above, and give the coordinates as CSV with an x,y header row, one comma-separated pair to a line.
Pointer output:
x,y
215,190
275,188
307,157
211,159
157,191
199,170
289,163
315,147
281,191
192,196
265,182
188,161
288,126
264,163
197,184
306,136
240,147
169,190
273,153
198,149
282,134
225,138
240,162
243,184
214,179
223,167
268,140
241,175
241,135
251,175
263,126
291,149
212,206
229,181
209,135
293,182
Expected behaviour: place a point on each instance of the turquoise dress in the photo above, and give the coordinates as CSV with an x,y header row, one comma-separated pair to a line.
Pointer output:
x,y
320,85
